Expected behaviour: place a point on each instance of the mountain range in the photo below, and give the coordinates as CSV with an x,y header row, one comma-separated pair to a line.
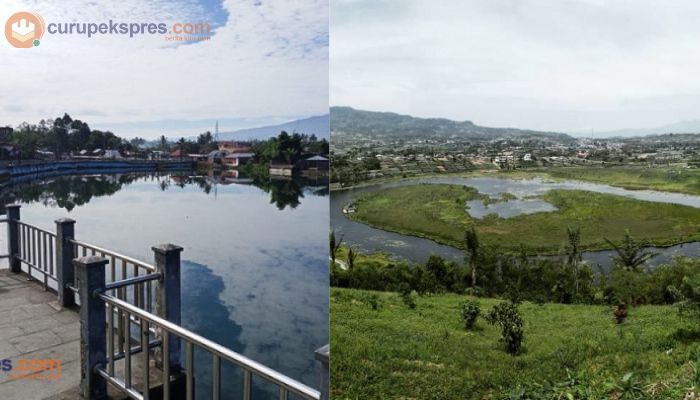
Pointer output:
x,y
691,126
318,125
350,120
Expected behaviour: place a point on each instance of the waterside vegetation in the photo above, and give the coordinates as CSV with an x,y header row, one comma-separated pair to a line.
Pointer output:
x,y
438,212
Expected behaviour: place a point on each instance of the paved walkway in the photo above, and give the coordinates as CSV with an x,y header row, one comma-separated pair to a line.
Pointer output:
x,y
33,326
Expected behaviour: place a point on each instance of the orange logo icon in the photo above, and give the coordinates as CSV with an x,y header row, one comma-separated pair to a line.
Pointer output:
x,y
24,30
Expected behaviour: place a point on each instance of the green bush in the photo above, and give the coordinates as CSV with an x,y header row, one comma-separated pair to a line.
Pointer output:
x,y
407,296
507,316
470,312
373,301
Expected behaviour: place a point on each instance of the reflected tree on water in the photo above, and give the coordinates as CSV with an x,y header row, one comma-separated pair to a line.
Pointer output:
x,y
69,192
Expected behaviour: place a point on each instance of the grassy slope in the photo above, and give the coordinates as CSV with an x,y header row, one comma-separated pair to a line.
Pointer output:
x,y
398,353
437,212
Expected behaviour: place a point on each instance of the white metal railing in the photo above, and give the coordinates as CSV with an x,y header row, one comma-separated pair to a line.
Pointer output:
x,y
37,250
113,286
250,367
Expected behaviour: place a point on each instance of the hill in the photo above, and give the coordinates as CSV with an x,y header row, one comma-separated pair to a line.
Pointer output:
x,y
570,351
372,123
318,125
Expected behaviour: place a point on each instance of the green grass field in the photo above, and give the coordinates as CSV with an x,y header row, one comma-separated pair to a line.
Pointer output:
x,y
569,350
635,178
437,212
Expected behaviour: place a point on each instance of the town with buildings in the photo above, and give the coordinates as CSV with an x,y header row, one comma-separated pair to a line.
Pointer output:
x,y
285,156
363,154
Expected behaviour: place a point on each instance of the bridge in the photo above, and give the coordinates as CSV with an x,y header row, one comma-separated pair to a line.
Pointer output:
x,y
81,321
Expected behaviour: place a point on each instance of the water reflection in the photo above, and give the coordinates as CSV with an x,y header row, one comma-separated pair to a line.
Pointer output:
x,y
508,208
255,265
69,192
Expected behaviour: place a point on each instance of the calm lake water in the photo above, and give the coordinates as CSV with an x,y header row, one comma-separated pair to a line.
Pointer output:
x,y
255,264
418,250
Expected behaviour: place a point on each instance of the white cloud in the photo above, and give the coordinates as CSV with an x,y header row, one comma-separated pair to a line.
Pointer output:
x,y
556,65
270,60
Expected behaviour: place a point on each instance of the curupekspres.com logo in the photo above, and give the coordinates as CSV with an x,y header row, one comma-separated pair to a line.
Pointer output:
x,y
35,369
25,30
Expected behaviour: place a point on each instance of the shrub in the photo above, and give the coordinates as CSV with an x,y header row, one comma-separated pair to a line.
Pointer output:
x,y
620,313
407,295
373,301
507,316
690,290
470,312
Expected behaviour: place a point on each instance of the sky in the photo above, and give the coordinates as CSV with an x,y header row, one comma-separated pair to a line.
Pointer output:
x,y
266,63
556,65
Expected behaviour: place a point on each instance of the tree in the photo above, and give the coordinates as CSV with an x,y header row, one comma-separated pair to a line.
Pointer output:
x,y
335,245
471,244
470,311
163,143
60,133
631,253
137,142
689,294
181,146
351,257
507,316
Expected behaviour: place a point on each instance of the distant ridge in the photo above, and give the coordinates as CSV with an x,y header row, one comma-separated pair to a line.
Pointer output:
x,y
350,120
318,125
690,126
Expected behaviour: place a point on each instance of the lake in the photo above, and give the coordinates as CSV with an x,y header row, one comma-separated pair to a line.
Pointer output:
x,y
418,250
255,260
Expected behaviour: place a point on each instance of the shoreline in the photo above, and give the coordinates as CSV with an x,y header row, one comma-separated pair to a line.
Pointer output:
x,y
10,172
545,253
544,250
518,174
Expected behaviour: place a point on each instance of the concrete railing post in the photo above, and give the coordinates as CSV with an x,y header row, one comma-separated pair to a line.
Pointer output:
x,y
13,237
93,335
167,263
65,232
323,355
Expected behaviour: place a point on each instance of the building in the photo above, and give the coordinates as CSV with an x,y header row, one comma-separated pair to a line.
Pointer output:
x,y
112,154
215,157
5,133
235,147
178,154
7,150
281,169
237,159
317,162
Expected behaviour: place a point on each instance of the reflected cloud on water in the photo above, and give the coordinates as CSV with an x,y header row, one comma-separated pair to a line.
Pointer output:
x,y
255,268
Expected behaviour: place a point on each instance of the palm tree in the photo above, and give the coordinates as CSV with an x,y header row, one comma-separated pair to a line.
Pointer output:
x,y
334,245
163,143
471,244
181,145
631,254
573,253
351,257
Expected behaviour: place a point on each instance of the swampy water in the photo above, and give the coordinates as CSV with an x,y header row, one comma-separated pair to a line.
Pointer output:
x,y
528,194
